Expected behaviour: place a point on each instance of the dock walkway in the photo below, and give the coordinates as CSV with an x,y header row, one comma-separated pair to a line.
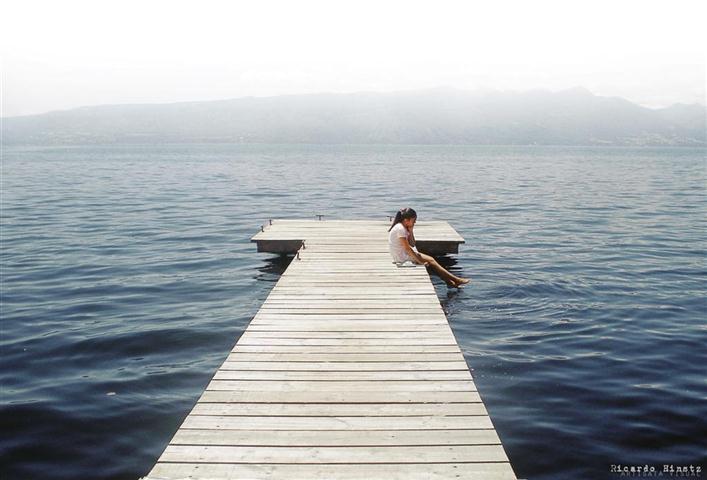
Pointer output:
x,y
349,370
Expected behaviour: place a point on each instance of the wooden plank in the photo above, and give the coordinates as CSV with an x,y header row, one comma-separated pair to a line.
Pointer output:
x,y
358,471
382,320
381,279
322,333
387,454
268,422
334,438
383,271
351,326
395,321
393,274
242,396
320,376
351,294
343,271
436,334
339,409
342,366
357,357
349,311
355,342
360,299
380,317
383,330
410,303
342,294
346,327
341,349
377,284
382,283
401,299
343,386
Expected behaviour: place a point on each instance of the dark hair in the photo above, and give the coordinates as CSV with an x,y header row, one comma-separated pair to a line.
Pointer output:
x,y
403,214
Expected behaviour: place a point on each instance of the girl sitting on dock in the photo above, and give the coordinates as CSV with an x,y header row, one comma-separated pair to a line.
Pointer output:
x,y
401,243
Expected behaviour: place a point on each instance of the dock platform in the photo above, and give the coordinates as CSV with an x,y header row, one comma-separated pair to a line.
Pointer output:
x,y
349,370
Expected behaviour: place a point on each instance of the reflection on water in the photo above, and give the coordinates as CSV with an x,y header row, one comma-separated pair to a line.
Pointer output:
x,y
274,266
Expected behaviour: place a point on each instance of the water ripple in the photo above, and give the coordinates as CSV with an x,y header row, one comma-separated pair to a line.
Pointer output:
x,y
128,274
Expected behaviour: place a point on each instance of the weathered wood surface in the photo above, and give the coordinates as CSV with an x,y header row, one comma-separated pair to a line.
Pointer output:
x,y
348,371
347,237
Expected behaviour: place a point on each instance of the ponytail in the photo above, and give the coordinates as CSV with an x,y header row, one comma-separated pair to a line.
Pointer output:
x,y
402,214
397,220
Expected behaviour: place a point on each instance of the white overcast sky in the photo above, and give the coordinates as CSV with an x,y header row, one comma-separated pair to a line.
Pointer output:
x,y
69,53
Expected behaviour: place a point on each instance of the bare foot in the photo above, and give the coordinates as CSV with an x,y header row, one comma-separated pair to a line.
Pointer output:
x,y
461,281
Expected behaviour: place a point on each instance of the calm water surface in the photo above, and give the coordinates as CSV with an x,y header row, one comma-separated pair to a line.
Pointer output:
x,y
127,275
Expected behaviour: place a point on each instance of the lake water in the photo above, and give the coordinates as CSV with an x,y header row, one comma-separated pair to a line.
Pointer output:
x,y
127,275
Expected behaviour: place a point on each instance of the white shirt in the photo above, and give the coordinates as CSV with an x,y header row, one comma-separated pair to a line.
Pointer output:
x,y
397,251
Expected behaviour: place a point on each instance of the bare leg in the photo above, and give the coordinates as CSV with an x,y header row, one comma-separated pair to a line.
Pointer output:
x,y
451,279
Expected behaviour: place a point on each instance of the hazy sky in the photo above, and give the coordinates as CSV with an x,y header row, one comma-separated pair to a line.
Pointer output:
x,y
69,53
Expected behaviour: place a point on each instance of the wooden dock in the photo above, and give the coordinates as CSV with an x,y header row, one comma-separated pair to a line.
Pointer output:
x,y
349,370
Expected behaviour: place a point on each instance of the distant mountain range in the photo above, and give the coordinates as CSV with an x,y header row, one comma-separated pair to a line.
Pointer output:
x,y
436,116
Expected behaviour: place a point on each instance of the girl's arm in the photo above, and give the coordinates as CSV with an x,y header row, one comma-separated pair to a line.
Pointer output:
x,y
412,238
413,254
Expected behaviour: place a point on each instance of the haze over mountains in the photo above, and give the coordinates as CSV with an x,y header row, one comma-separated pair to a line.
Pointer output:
x,y
436,116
